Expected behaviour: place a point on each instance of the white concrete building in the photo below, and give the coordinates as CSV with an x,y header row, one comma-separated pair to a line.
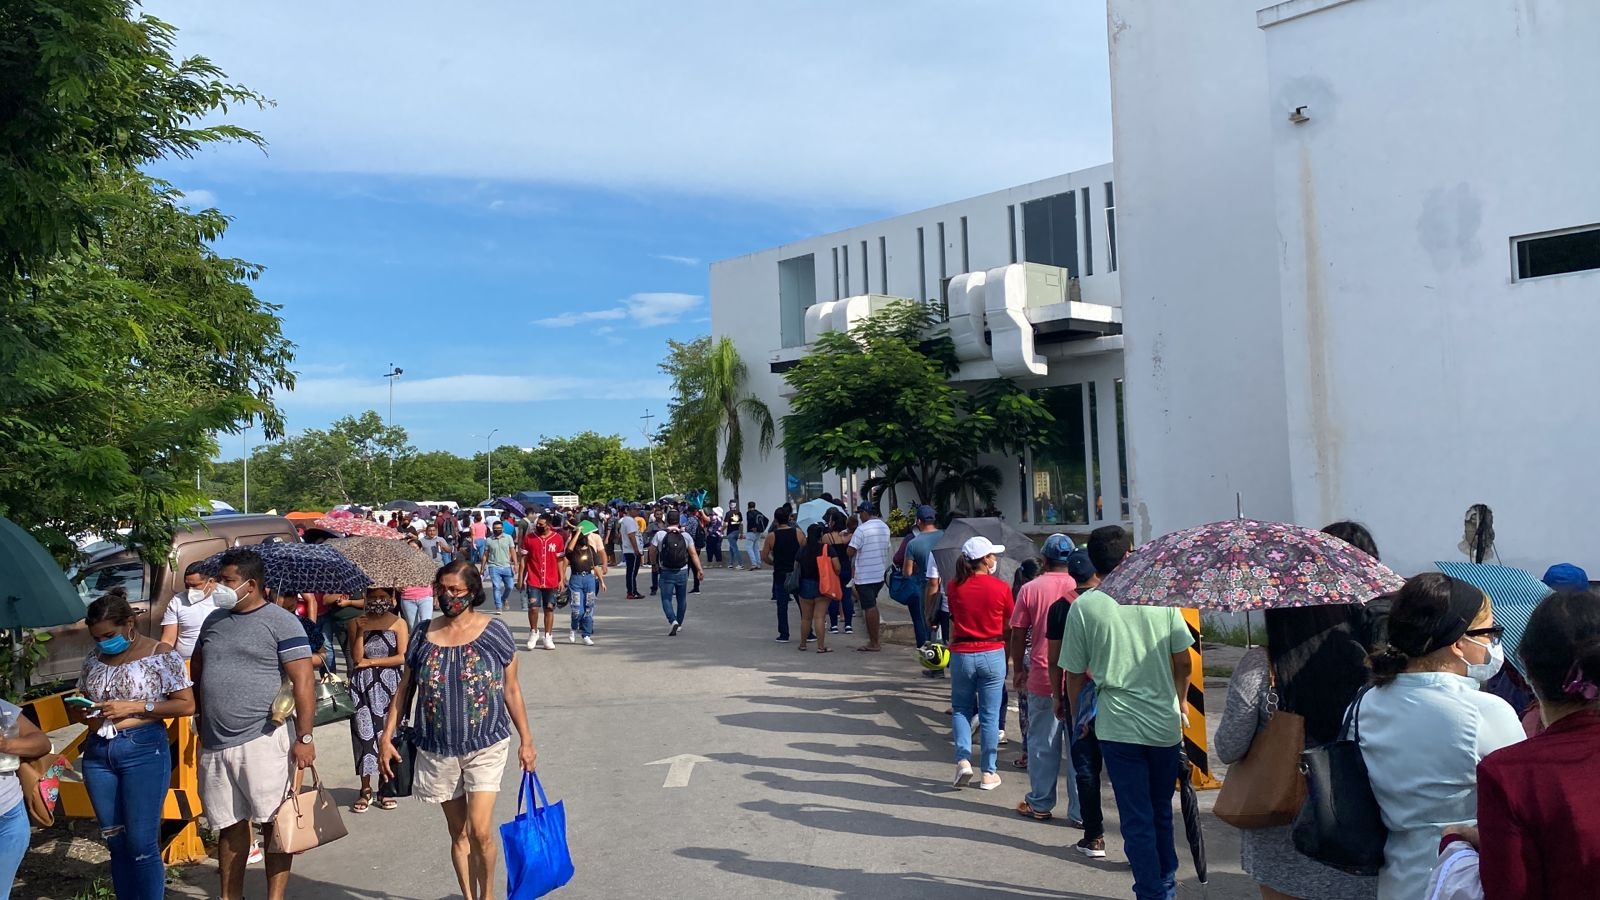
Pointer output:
x,y
1034,267
1359,242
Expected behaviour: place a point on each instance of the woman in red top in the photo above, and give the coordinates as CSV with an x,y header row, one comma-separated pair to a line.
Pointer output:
x,y
980,607
1539,801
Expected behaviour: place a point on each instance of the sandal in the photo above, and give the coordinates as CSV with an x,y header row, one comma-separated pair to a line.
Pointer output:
x,y
825,650
363,802
802,646
387,803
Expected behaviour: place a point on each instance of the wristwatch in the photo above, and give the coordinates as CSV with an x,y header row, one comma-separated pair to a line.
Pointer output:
x,y
149,706
305,738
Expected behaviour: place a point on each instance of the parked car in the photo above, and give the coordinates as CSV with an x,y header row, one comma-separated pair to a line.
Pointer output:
x,y
151,586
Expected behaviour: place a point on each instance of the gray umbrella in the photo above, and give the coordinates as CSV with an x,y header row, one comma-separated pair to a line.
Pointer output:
x,y
1019,547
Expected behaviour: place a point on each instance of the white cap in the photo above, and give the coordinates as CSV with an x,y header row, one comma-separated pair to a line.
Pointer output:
x,y
979,547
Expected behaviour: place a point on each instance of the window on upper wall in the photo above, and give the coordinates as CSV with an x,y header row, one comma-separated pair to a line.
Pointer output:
x,y
797,291
1088,236
836,294
866,271
883,264
966,257
922,266
1557,252
1111,226
844,252
1050,231
1011,229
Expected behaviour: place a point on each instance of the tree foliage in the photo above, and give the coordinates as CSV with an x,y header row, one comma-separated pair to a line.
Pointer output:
x,y
126,341
686,444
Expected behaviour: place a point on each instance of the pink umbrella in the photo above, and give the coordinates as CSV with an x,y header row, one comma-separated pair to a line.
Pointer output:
x,y
356,527
340,514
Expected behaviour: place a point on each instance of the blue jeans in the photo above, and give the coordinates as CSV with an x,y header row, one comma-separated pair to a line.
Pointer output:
x,y
584,589
415,612
502,581
976,680
846,603
1143,779
735,558
753,541
14,835
1086,766
330,642
1048,742
127,779
674,584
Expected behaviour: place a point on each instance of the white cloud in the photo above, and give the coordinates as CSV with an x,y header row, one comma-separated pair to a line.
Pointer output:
x,y
885,104
569,319
199,198
690,261
353,393
660,309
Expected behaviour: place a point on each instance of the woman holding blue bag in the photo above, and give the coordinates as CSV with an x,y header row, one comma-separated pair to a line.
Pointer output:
x,y
463,669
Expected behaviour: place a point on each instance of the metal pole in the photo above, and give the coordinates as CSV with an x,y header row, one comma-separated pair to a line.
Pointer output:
x,y
393,373
488,457
244,441
650,452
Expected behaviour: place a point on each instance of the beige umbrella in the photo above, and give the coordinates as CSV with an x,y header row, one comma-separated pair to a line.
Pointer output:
x,y
387,563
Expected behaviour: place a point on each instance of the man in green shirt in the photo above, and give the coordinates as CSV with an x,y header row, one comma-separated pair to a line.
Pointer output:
x,y
1139,656
500,565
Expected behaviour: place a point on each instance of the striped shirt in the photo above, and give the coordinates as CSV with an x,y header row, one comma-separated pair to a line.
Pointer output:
x,y
871,542
461,706
242,667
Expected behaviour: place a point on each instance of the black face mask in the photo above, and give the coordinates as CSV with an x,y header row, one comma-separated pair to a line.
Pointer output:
x,y
452,606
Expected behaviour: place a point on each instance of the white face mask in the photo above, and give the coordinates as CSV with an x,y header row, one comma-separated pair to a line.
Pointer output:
x,y
224,597
1482,672
195,595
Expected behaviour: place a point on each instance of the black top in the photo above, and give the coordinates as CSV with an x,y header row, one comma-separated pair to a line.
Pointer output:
x,y
1055,623
785,544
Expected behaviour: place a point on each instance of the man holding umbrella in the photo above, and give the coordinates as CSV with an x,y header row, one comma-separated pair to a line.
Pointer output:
x,y
1140,659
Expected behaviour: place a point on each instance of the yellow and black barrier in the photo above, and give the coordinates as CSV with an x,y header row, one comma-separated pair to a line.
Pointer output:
x,y
1194,736
180,812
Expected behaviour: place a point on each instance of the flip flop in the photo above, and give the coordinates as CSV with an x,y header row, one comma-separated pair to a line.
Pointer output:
x,y
825,650
868,649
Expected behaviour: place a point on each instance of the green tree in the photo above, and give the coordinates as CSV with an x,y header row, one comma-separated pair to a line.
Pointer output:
x,y
686,444
712,404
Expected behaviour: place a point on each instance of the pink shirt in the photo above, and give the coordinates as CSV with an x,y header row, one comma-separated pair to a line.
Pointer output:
x,y
1032,612
479,531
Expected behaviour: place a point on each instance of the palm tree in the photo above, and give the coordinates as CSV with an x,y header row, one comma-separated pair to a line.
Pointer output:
x,y
729,404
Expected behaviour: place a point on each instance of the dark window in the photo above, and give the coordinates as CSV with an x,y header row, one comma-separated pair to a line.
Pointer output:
x,y
1558,254
922,266
1050,231
866,271
966,259
944,272
836,294
883,264
797,290
1011,229
1088,236
845,252
1111,226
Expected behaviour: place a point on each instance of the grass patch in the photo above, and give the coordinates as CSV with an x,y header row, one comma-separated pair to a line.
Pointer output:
x,y
1216,630
1218,671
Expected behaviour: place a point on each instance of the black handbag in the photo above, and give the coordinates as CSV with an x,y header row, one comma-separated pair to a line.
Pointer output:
x,y
1340,824
405,768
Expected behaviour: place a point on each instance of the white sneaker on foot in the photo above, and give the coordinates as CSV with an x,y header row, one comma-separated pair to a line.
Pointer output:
x,y
549,642
989,782
572,636
533,641
963,774
588,641
255,853
673,631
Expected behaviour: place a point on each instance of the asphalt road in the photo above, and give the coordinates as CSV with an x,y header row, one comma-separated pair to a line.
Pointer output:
x,y
823,776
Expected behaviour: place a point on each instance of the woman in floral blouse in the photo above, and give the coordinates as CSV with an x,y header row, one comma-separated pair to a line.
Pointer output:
x,y
464,671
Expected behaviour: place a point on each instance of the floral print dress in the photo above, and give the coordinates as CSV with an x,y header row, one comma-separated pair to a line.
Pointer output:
x,y
373,689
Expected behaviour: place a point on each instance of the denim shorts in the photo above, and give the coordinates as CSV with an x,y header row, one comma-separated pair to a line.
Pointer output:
x,y
545,596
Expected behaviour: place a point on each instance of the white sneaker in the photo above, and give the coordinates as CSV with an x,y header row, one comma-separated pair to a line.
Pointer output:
x,y
572,637
588,641
549,642
533,641
1003,740
963,774
255,853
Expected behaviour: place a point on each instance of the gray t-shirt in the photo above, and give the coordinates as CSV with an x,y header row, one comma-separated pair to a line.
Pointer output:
x,y
244,655
497,550
434,545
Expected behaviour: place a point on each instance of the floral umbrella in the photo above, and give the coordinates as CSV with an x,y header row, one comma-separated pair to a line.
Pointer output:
x,y
355,528
388,563
297,568
1241,565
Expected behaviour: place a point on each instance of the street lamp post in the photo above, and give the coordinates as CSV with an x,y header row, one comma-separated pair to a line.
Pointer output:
x,y
488,458
393,373
244,442
650,453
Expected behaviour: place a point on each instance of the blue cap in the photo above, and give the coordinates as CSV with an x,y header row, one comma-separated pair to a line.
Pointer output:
x,y
926,514
1079,566
1058,547
1566,577
867,507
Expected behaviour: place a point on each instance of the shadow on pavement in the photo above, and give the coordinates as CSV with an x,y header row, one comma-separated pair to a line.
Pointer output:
x,y
858,883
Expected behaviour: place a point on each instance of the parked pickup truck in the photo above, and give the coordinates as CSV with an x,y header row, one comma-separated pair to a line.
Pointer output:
x,y
151,586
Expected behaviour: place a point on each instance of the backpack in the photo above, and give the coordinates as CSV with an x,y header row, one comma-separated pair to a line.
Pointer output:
x,y
758,522
581,556
674,551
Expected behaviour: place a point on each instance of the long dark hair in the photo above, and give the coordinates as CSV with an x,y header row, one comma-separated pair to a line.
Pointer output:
x,y
1319,656
1561,647
1430,612
966,567
1356,535
814,545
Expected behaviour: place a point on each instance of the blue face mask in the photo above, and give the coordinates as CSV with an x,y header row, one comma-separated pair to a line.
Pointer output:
x,y
113,645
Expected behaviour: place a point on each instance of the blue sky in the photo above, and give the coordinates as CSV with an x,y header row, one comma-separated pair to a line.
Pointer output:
x,y
517,202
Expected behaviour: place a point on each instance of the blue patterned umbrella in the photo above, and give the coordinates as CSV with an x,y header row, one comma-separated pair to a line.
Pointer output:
x,y
293,568
1513,596
511,505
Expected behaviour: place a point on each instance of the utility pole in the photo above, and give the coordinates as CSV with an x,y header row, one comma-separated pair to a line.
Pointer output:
x,y
244,441
488,458
650,452
393,373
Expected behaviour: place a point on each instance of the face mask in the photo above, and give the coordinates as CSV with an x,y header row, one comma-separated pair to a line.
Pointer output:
x,y
380,607
196,595
224,597
1482,672
113,645
454,606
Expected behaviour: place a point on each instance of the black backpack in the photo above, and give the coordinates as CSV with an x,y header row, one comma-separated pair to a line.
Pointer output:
x,y
581,556
758,522
674,551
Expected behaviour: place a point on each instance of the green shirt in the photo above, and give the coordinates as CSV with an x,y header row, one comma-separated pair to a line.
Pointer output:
x,y
497,550
1128,650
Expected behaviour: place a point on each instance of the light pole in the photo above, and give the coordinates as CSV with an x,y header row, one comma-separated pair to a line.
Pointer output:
x,y
650,452
244,442
488,458
393,373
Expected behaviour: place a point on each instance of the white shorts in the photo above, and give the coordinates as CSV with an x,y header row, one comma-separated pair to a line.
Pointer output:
x,y
441,778
246,782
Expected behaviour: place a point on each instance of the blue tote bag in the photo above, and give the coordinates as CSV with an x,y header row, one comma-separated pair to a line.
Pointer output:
x,y
537,859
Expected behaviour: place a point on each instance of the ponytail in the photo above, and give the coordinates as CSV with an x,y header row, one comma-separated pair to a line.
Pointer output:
x,y
966,568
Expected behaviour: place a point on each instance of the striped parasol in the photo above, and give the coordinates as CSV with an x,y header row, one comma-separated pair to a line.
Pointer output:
x,y
297,568
356,527
1513,596
388,563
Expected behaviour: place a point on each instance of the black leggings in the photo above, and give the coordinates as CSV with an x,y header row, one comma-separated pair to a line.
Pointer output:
x,y
632,561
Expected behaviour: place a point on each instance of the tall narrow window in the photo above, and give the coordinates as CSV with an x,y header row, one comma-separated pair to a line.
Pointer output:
x,y
797,290
1050,231
922,265
1088,236
883,264
966,258
836,293
1011,229
1111,226
845,252
866,271
944,271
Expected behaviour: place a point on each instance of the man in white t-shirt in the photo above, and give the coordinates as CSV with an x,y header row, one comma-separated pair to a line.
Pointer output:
x,y
869,563
187,611
632,549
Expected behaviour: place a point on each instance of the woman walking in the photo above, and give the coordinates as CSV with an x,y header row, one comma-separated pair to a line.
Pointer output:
x,y
378,640
713,527
136,683
980,607
1426,723
781,553
1313,666
813,606
468,701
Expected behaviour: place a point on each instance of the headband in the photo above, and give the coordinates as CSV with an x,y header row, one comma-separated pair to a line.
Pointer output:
x,y
1466,601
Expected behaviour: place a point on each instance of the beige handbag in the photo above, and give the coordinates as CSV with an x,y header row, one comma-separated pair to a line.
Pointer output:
x,y
1266,788
306,818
